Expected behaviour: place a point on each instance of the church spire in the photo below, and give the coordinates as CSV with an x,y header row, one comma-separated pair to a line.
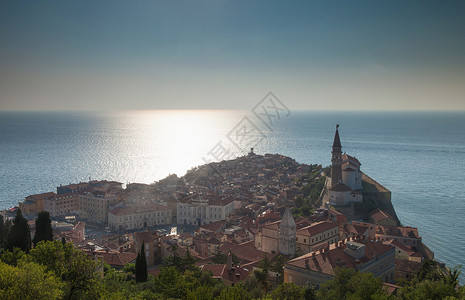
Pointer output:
x,y
336,159
337,141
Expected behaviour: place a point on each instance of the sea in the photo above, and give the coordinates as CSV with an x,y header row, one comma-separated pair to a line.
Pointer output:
x,y
418,156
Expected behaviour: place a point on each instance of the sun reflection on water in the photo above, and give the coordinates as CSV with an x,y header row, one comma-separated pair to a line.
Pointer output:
x,y
159,143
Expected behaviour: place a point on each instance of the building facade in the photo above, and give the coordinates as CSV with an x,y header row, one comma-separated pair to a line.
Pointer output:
x,y
200,210
62,204
34,204
321,233
139,216
94,205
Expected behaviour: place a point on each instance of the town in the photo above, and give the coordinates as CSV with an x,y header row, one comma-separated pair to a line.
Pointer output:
x,y
231,215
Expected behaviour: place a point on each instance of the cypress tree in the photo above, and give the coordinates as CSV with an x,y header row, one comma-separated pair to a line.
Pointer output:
x,y
44,231
141,265
20,233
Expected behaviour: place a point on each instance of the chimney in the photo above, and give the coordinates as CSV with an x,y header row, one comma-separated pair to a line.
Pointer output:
x,y
229,261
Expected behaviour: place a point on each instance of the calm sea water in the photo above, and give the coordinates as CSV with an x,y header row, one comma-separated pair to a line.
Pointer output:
x,y
420,157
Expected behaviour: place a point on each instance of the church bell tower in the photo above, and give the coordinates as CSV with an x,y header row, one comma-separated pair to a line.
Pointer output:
x,y
336,160
287,234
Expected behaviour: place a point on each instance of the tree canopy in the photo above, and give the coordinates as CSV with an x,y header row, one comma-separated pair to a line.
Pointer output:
x,y
44,231
20,233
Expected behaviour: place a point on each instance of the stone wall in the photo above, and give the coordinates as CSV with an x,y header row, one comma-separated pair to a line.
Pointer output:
x,y
380,195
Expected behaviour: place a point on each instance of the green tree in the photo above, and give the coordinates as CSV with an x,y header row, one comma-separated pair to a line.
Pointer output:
x,y
79,272
310,292
28,281
202,292
12,257
188,261
278,266
289,291
428,289
451,275
169,283
20,233
218,256
233,292
130,268
141,265
351,284
429,271
262,274
44,231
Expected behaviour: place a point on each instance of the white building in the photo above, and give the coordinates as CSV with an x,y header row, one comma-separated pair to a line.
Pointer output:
x,y
139,217
200,210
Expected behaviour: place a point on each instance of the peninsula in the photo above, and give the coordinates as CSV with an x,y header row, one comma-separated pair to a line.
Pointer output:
x,y
314,219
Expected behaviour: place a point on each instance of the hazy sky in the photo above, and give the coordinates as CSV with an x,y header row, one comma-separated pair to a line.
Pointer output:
x,y
357,55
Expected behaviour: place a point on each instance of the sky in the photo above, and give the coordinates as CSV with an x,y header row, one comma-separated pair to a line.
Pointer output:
x,y
219,54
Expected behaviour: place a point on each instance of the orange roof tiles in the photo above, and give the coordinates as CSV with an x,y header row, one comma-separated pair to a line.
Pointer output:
x,y
317,228
336,257
378,215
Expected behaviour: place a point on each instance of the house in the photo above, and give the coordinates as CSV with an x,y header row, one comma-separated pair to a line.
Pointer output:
x,y
361,254
317,234
33,204
227,273
379,217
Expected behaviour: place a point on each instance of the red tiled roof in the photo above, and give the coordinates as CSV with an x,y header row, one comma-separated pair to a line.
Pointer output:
x,y
236,274
404,232
336,257
378,215
351,159
213,227
244,253
117,259
41,196
273,225
317,228
396,244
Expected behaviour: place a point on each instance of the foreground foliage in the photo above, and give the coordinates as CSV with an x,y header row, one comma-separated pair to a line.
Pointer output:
x,y
53,270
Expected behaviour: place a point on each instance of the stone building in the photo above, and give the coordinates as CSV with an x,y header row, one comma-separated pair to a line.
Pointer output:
x,y
204,209
363,255
134,217
278,237
317,234
94,205
62,204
